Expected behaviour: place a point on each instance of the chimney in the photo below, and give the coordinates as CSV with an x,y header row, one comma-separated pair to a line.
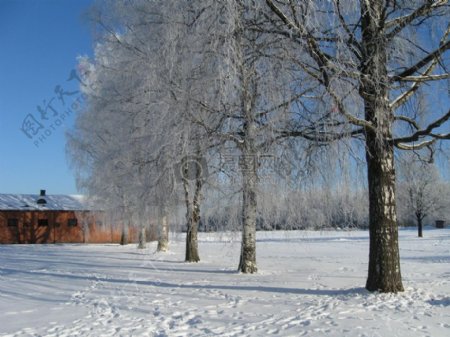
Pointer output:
x,y
41,200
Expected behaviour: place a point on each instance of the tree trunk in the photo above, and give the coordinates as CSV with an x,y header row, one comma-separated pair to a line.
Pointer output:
x,y
193,208
191,237
419,225
124,235
85,228
111,229
384,259
247,263
34,221
142,238
163,232
249,81
193,217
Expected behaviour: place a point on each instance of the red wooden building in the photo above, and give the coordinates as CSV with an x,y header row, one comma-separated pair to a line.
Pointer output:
x,y
30,218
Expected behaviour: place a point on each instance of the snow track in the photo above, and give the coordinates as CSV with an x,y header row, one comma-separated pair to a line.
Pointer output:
x,y
309,284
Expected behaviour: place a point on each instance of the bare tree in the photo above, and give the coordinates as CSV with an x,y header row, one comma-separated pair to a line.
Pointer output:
x,y
147,87
105,144
182,78
370,61
250,107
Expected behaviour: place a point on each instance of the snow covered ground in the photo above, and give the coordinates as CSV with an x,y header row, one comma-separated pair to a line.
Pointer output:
x,y
309,284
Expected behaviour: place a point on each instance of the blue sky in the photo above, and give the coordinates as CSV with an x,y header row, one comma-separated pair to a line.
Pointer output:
x,y
40,41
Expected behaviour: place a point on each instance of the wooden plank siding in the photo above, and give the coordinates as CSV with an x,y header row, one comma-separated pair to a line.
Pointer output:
x,y
52,226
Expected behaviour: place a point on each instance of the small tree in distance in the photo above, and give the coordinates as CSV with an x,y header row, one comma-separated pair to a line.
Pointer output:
x,y
422,192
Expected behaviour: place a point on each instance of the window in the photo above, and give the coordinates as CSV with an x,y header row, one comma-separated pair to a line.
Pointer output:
x,y
13,222
57,224
72,222
43,222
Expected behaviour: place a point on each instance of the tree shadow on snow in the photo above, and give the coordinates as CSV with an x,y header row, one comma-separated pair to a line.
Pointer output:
x,y
443,302
205,271
160,284
432,259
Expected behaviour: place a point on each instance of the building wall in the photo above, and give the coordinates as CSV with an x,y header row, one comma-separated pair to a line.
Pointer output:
x,y
58,227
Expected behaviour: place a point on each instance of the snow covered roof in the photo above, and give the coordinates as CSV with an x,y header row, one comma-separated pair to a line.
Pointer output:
x,y
24,202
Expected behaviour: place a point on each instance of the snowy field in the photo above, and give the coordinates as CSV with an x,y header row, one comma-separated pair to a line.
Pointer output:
x,y
309,284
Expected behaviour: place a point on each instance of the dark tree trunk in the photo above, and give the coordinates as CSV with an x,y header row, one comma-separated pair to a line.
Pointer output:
x,y
419,225
124,235
191,237
33,225
193,214
111,232
384,259
85,227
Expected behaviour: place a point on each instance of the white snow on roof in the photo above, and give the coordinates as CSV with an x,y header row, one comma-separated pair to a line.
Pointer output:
x,y
23,202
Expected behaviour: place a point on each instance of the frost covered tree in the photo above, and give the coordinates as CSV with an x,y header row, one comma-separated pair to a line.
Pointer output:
x,y
194,89
109,141
102,166
422,191
370,59
177,79
150,93
253,102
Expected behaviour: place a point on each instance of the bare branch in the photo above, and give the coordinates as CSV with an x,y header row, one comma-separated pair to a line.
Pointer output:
x,y
440,135
352,41
425,78
412,147
410,121
352,119
425,132
321,58
399,23
423,62
415,86
317,136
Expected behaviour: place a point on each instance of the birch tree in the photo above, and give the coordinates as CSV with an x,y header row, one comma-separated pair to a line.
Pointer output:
x,y
370,59
193,86
254,88
106,144
161,55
